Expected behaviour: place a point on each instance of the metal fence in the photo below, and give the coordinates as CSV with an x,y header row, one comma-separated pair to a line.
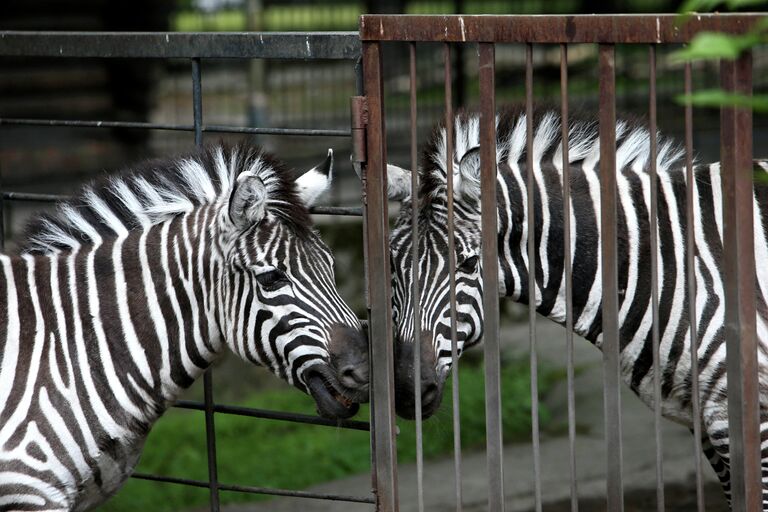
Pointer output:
x,y
368,132
486,32
341,46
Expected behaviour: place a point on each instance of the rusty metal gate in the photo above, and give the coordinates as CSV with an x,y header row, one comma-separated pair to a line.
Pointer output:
x,y
736,156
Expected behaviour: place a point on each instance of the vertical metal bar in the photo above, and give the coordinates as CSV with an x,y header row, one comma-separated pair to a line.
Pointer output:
x,y
452,274
210,428
608,251
415,286
2,215
739,273
690,253
568,268
532,276
489,233
210,440
384,451
654,222
197,102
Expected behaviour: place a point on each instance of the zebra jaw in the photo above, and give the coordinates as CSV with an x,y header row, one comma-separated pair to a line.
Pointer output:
x,y
333,400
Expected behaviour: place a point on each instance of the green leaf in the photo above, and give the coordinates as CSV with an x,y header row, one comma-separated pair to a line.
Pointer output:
x,y
715,98
709,5
715,45
734,5
699,5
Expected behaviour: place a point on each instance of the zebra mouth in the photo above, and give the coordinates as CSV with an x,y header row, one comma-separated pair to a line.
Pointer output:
x,y
331,399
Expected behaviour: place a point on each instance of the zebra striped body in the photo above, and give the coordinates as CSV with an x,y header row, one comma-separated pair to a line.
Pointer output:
x,y
127,294
634,259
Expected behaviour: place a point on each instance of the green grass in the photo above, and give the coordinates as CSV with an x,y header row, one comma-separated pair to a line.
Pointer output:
x,y
288,455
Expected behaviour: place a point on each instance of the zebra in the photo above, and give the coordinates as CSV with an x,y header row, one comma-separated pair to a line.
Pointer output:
x,y
122,297
635,314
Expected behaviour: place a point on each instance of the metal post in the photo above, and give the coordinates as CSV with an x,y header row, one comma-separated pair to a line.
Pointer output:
x,y
654,243
568,270
690,263
449,157
384,452
609,256
210,428
739,273
532,287
490,251
415,302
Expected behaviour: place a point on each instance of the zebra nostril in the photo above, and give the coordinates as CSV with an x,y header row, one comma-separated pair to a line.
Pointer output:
x,y
428,394
353,376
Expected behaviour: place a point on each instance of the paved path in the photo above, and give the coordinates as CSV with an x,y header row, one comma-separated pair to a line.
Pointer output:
x,y
638,453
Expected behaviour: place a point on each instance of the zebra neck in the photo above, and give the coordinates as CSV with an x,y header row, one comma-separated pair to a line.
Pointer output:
x,y
549,250
157,309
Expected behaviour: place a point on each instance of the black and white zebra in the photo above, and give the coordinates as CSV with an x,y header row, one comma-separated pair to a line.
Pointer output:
x,y
126,294
635,314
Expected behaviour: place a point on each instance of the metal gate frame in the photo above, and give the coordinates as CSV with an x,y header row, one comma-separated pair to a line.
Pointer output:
x,y
736,158
195,47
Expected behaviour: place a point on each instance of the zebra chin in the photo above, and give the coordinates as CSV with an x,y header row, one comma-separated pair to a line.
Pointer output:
x,y
432,381
333,400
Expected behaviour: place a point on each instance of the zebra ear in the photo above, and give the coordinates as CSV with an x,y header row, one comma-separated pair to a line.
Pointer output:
x,y
315,181
469,172
248,201
398,183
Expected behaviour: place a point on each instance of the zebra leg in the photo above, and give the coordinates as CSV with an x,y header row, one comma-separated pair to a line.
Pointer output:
x,y
715,445
719,464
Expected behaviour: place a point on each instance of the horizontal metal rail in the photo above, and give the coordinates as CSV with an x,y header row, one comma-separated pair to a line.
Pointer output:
x,y
212,128
614,29
274,415
165,45
351,211
254,490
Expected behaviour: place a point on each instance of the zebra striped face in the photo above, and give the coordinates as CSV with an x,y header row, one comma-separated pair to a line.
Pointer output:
x,y
433,335
283,310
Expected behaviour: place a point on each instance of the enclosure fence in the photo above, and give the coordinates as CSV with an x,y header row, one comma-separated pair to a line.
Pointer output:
x,y
195,47
652,31
369,139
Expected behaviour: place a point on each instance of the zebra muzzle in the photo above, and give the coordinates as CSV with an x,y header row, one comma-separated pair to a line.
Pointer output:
x,y
330,398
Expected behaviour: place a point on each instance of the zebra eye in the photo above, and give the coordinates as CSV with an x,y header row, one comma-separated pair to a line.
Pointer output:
x,y
272,280
469,265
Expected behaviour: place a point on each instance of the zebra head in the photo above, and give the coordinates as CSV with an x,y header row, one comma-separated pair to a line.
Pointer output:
x,y
281,288
432,338
217,250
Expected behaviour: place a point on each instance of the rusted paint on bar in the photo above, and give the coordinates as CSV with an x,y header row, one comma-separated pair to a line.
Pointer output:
x,y
654,243
641,28
739,273
490,255
447,63
690,262
415,302
532,277
608,251
383,452
568,268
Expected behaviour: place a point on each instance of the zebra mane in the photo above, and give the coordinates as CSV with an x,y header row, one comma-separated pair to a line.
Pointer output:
x,y
632,144
157,190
